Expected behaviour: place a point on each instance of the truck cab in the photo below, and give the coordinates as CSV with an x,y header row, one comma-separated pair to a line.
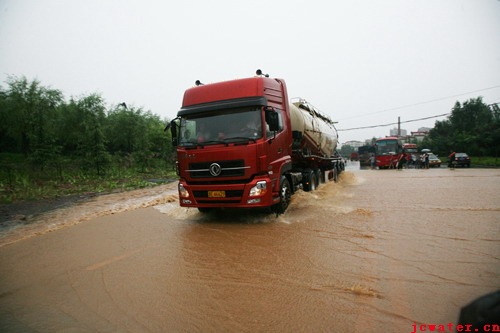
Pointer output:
x,y
233,143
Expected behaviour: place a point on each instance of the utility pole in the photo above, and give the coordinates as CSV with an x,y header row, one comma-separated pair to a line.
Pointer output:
x,y
399,127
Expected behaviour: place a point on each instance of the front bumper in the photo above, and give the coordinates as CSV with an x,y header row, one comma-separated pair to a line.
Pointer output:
x,y
226,195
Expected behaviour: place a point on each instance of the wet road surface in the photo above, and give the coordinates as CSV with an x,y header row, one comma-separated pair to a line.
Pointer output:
x,y
376,252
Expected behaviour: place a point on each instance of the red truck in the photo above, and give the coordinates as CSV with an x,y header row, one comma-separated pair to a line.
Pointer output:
x,y
241,144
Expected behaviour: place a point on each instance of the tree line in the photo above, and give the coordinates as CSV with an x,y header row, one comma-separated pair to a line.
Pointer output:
x,y
39,124
472,127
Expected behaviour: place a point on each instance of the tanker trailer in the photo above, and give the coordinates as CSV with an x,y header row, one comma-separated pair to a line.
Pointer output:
x,y
314,145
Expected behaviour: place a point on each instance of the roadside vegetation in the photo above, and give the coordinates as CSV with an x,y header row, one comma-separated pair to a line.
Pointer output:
x,y
51,147
485,162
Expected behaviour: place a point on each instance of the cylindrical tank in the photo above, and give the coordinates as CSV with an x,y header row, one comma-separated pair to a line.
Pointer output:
x,y
318,135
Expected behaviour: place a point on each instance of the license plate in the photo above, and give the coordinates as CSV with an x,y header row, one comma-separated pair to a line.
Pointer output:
x,y
216,194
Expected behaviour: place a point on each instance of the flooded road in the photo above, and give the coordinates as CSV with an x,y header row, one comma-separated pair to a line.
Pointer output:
x,y
376,252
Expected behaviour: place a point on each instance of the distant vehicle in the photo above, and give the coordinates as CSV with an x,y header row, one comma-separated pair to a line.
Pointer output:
x,y
364,153
425,150
462,159
411,152
354,156
410,148
388,152
434,161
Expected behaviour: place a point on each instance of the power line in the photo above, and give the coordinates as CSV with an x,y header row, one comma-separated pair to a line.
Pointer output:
x,y
421,103
402,122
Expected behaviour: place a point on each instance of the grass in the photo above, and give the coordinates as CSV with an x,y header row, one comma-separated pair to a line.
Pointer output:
x,y
485,161
481,162
20,181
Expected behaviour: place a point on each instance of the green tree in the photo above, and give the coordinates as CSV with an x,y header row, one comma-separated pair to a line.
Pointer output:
x,y
7,142
68,127
470,122
92,141
437,140
29,113
492,132
138,137
158,143
472,127
125,128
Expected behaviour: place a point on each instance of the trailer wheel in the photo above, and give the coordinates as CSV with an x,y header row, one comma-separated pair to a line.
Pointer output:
x,y
311,181
335,175
317,173
285,197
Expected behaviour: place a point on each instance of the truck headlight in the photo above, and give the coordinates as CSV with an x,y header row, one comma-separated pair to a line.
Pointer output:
x,y
183,193
259,189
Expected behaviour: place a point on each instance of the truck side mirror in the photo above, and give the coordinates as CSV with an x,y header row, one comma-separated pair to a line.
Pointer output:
x,y
272,119
173,131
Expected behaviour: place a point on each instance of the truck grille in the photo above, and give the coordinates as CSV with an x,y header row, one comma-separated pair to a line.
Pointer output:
x,y
228,169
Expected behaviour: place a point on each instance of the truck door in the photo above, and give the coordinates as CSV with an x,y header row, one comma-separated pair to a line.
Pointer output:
x,y
279,150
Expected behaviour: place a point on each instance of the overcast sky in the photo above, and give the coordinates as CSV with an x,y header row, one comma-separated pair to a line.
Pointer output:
x,y
362,62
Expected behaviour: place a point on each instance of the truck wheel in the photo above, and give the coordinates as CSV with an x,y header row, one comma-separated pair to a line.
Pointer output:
x,y
314,182
317,174
285,197
311,182
335,175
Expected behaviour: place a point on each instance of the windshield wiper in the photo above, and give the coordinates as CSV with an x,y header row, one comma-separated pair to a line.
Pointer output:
x,y
227,141
211,142
240,138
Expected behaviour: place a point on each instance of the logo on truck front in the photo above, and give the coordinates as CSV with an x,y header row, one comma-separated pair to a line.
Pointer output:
x,y
214,169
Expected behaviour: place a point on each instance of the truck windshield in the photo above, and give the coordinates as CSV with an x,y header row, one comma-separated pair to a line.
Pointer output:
x,y
224,126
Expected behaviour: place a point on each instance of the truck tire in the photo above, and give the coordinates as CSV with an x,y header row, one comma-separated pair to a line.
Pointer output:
x,y
285,197
317,173
310,181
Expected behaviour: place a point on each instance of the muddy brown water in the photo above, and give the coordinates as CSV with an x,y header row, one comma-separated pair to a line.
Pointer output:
x,y
376,252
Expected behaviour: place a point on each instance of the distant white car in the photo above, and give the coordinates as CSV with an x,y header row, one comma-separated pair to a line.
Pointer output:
x,y
434,161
